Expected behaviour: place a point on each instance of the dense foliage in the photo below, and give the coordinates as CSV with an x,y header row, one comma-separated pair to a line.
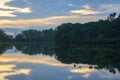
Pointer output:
x,y
35,36
4,37
102,31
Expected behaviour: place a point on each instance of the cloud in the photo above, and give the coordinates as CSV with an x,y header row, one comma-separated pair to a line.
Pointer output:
x,y
106,74
8,11
25,10
84,12
49,21
102,9
9,70
70,4
46,60
27,2
84,71
110,8
7,67
86,6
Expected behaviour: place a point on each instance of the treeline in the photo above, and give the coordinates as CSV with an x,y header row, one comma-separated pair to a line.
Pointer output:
x,y
35,36
29,36
99,32
4,37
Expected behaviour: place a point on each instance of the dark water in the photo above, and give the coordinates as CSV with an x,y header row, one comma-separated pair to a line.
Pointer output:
x,y
62,62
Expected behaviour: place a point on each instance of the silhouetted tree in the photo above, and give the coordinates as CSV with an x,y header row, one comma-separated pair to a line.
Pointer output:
x,y
99,32
112,16
35,36
4,37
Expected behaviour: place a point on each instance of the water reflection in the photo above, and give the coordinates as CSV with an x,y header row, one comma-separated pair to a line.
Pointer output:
x,y
104,57
21,58
34,49
4,47
8,70
85,71
69,60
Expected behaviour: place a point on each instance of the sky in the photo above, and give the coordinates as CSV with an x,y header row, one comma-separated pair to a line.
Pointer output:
x,y
25,14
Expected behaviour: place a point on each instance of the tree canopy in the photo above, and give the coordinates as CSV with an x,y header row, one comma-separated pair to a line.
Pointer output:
x,y
4,37
102,31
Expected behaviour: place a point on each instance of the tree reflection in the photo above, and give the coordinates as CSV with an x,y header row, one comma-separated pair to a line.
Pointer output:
x,y
35,49
4,47
104,57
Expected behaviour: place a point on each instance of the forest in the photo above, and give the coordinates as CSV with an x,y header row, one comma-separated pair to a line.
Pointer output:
x,y
100,32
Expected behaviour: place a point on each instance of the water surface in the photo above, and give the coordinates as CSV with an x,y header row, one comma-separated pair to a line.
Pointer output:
x,y
63,62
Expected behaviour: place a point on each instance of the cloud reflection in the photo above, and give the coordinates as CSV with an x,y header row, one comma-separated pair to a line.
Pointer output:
x,y
21,58
85,71
9,70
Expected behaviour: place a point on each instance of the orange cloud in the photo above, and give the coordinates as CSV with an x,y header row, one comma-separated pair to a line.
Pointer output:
x,y
85,12
49,21
8,11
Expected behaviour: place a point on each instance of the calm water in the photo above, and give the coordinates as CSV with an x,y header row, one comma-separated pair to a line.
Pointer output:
x,y
68,62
